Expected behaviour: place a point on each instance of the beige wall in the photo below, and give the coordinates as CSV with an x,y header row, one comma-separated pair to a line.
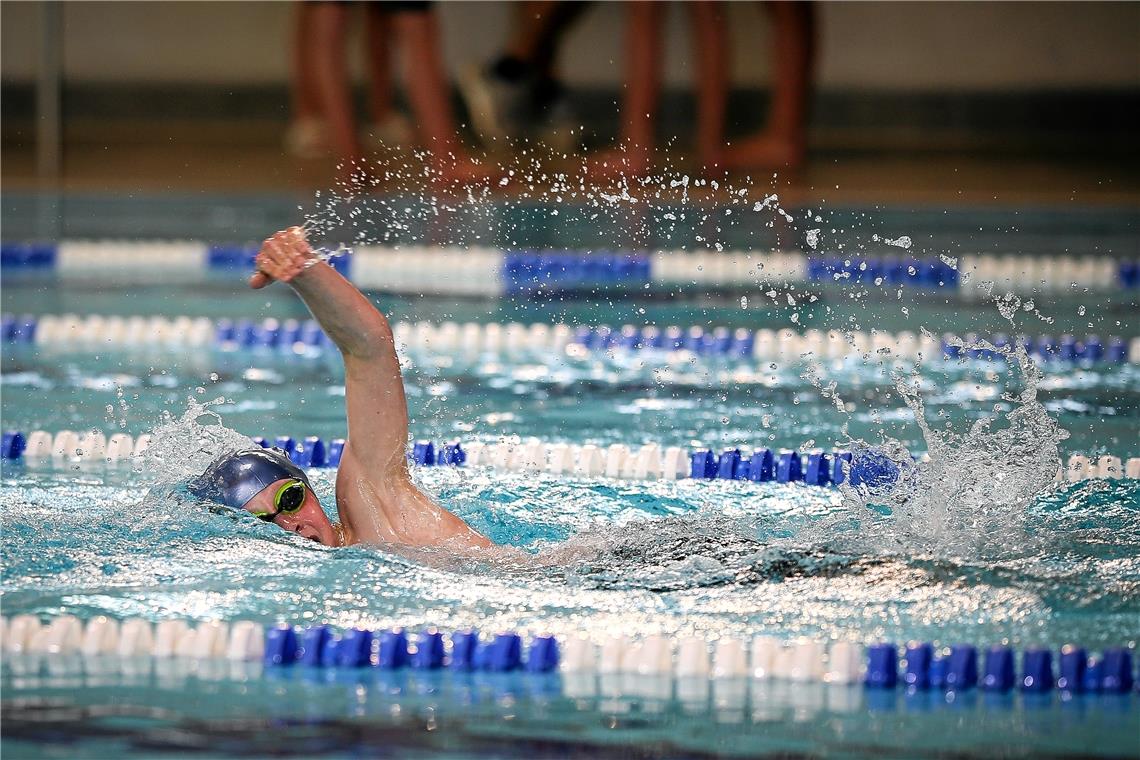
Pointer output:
x,y
920,46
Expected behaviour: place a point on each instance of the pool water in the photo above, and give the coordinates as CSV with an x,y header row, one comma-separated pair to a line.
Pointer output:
x,y
177,711
600,557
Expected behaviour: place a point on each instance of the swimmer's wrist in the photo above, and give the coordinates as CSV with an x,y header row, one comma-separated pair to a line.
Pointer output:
x,y
311,260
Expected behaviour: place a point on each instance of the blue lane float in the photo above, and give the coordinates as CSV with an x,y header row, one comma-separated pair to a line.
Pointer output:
x,y
1065,349
763,465
872,469
14,445
28,255
919,657
526,272
231,256
1037,670
880,667
869,469
18,329
998,674
916,272
305,338
739,343
1129,274
921,669
319,646
529,271
962,667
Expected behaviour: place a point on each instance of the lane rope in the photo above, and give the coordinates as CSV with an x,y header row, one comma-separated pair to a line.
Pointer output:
x,y
649,461
881,665
305,338
481,271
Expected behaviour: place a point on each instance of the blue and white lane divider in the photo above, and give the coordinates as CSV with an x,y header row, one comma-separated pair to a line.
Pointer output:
x,y
485,271
648,462
918,666
305,338
784,344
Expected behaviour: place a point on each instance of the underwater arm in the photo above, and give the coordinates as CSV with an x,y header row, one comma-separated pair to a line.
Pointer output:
x,y
376,498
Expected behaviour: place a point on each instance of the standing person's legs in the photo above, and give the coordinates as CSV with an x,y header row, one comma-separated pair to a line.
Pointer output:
x,y
536,33
328,23
305,136
425,83
643,79
784,142
712,75
518,91
379,63
389,126
642,91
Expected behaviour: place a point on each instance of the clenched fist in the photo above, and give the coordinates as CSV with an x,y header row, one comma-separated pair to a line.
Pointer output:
x,y
282,257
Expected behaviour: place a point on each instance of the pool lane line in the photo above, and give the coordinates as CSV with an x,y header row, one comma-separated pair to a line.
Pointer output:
x,y
879,665
650,461
305,338
481,271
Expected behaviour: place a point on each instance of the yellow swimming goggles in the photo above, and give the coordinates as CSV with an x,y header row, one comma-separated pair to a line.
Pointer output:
x,y
288,499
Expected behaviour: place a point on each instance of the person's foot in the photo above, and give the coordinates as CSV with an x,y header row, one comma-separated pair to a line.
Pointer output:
x,y
307,138
394,130
496,98
764,151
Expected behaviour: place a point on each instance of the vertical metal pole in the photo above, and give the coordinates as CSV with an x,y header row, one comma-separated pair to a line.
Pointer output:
x,y
48,91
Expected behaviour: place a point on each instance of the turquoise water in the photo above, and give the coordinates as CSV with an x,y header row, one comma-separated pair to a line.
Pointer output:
x,y
678,558
175,711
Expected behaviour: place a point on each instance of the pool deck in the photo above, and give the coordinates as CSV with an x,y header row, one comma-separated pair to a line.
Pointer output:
x,y
246,156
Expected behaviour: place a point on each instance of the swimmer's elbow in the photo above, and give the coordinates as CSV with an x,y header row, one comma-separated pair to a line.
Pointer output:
x,y
373,339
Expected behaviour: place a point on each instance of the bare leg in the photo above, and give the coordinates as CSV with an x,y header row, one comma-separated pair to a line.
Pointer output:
x,y
331,73
389,126
526,28
643,89
783,143
304,93
379,63
537,30
305,136
712,74
426,86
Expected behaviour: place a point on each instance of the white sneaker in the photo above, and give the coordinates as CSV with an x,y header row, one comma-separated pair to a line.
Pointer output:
x,y
394,130
495,106
307,138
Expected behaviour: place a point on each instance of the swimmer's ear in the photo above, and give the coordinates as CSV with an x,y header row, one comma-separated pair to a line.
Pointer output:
x,y
259,280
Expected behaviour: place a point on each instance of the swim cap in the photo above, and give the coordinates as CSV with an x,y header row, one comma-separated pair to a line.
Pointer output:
x,y
236,478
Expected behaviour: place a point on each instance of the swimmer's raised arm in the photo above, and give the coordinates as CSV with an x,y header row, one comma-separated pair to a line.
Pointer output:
x,y
376,498
377,409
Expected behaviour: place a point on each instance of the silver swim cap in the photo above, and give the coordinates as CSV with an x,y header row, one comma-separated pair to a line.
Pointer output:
x,y
236,478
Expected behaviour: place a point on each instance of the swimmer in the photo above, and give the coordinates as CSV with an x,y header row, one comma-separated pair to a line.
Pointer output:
x,y
375,497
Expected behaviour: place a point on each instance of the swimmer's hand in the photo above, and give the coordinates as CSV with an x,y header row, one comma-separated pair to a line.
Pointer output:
x,y
282,257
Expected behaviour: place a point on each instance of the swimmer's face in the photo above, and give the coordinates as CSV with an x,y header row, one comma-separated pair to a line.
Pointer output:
x,y
309,520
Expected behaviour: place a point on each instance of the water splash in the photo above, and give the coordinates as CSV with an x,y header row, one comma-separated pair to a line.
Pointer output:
x,y
513,204
182,447
970,495
312,230
702,550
